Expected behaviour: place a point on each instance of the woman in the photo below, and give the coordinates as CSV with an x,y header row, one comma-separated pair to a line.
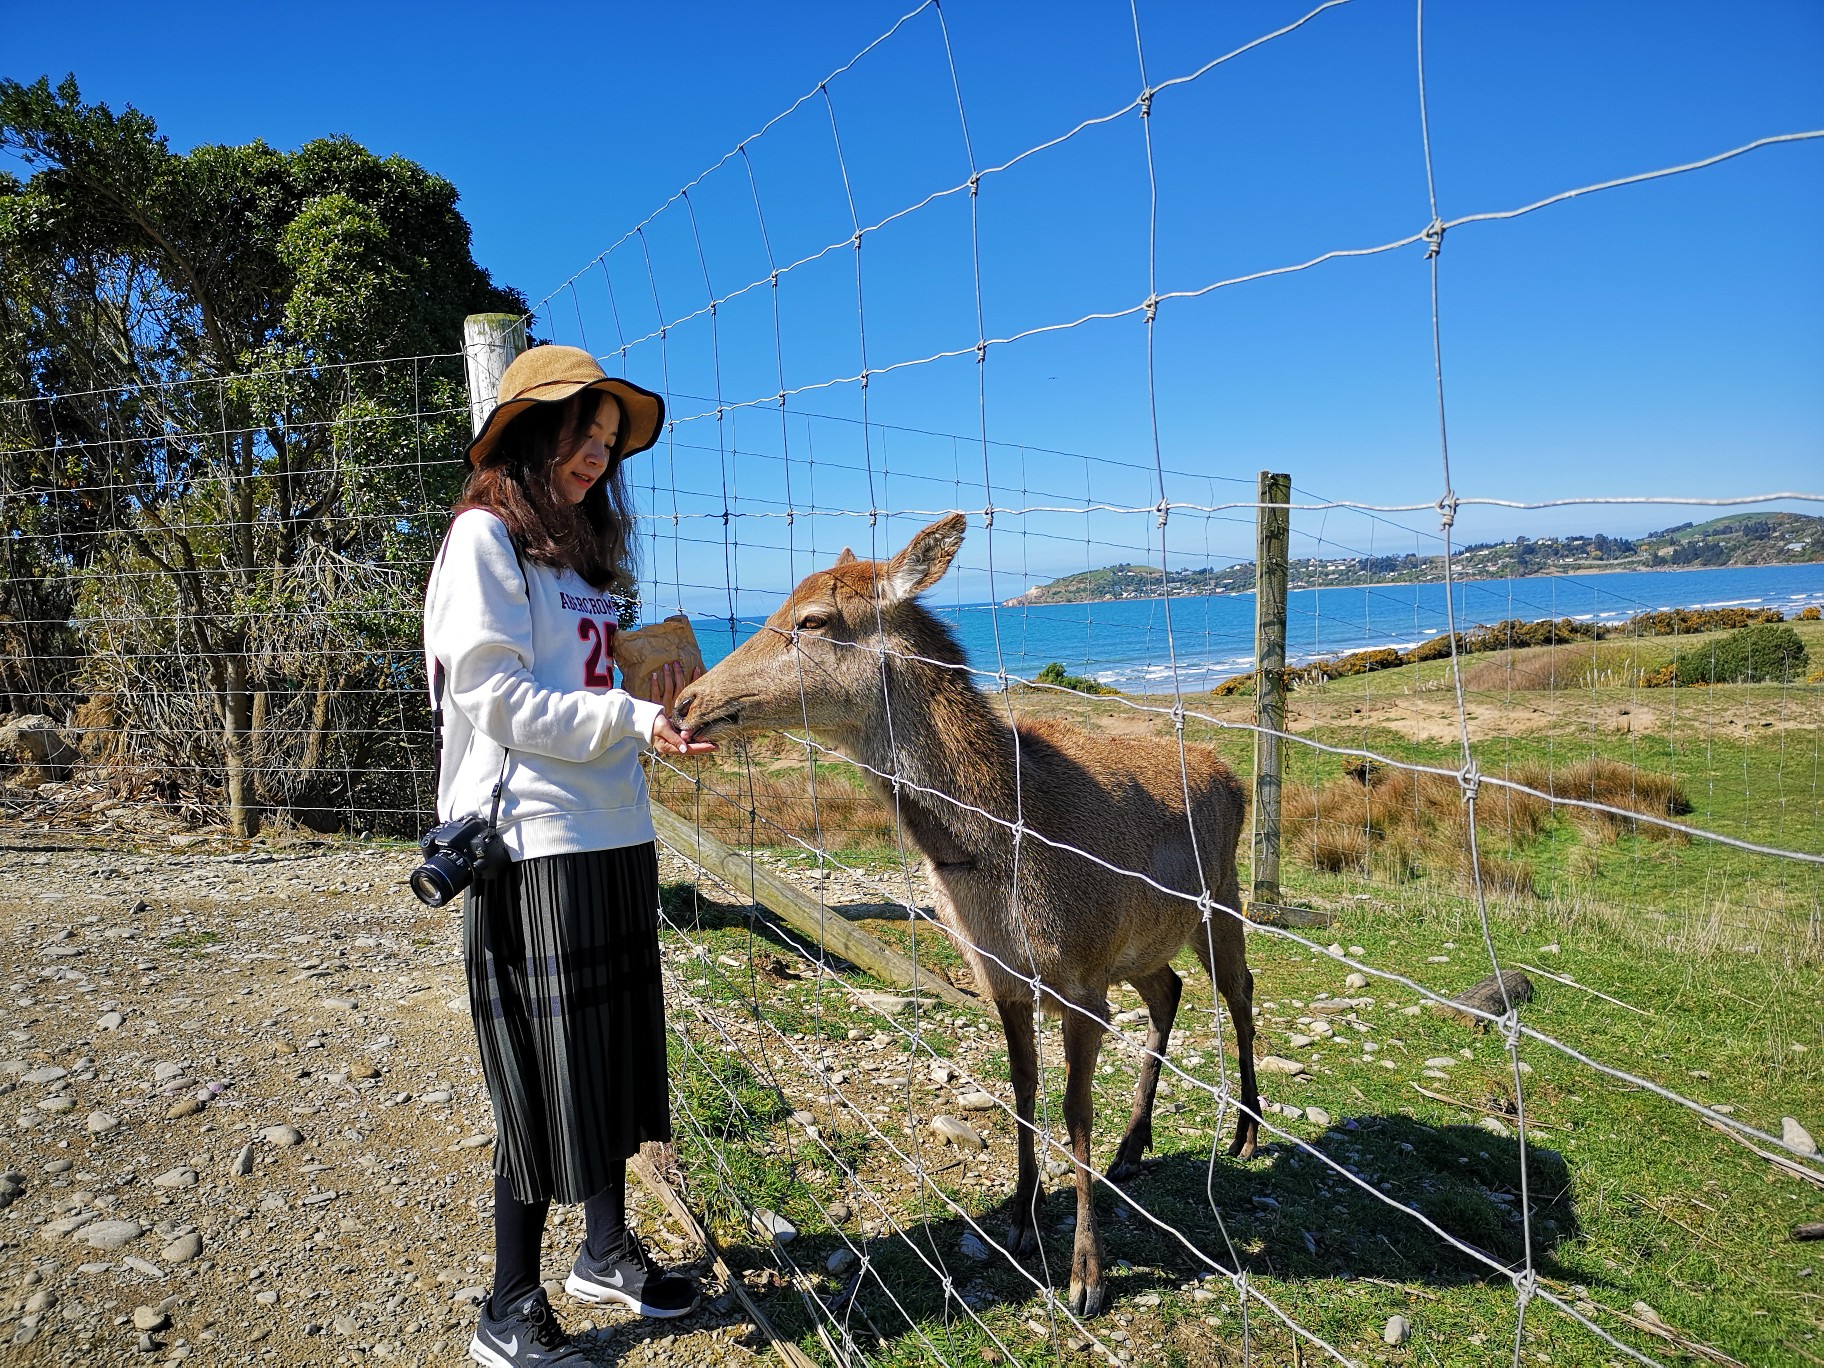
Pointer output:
x,y
561,949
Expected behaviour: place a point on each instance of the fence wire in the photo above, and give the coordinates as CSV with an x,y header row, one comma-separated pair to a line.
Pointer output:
x,y
219,627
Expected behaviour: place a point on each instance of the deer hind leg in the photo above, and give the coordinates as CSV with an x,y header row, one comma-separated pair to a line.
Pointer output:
x,y
1221,947
1023,1066
1082,1043
1161,990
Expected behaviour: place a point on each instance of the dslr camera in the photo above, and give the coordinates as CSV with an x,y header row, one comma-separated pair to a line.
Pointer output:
x,y
456,854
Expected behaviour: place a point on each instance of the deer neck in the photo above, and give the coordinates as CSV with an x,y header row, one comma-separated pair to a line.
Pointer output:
x,y
943,739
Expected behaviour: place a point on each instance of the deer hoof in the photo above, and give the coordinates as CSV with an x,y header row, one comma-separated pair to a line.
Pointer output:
x,y
1123,1168
1086,1298
1023,1239
1242,1146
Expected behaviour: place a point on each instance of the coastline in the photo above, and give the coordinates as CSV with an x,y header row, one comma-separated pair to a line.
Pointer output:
x,y
1021,601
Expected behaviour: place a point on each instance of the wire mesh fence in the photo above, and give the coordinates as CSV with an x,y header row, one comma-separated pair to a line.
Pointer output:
x,y
1538,783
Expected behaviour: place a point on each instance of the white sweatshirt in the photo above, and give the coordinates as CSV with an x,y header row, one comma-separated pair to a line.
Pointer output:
x,y
532,673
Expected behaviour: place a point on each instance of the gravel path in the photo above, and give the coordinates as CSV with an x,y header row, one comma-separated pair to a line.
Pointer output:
x,y
242,1118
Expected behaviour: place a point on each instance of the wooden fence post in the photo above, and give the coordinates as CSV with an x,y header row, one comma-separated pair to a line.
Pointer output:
x,y
490,341
1272,529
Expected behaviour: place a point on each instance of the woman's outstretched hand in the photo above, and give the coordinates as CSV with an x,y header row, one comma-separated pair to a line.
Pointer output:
x,y
663,687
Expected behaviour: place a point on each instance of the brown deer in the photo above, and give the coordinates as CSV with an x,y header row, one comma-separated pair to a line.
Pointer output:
x,y
853,657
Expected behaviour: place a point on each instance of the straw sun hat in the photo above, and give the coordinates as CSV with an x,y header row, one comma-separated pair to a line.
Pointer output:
x,y
551,374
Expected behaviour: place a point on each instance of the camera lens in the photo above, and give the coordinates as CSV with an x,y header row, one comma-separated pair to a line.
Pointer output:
x,y
438,880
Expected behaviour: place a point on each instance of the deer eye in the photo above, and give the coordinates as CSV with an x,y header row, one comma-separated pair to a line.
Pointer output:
x,y
811,622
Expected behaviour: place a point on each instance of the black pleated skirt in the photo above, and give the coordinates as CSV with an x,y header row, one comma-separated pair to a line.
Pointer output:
x,y
562,957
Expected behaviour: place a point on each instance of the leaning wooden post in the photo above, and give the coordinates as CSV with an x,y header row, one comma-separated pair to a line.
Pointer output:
x,y
1271,534
490,341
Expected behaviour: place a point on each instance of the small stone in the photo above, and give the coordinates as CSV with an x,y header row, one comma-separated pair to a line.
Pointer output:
x,y
977,1101
282,1136
109,1234
182,1176
139,1265
1296,1041
100,1123
958,1132
150,1318
1276,1065
183,1249
441,1097
839,1212
887,1004
1397,1330
971,1246
469,1142
840,1261
266,1298
48,1073
1441,1062
40,1301
58,1166
340,1004
345,1325
1796,1138
1494,1126
167,1072
146,1344
363,1068
184,1106
1317,1116
1355,981
109,1021
56,1106
942,1073
243,1161
774,1226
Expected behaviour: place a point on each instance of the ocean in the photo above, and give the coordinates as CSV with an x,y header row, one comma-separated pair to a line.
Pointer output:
x,y
1140,645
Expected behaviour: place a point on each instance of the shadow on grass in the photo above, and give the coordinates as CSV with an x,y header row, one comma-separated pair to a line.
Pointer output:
x,y
1287,1215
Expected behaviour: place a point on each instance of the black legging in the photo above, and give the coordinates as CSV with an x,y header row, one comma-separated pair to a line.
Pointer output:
x,y
519,1230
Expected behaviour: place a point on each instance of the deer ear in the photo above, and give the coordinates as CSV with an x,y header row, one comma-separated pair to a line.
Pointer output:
x,y
923,561
846,558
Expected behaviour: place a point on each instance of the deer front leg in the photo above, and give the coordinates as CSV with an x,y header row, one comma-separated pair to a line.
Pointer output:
x,y
1160,990
1082,1043
1023,1067
1221,947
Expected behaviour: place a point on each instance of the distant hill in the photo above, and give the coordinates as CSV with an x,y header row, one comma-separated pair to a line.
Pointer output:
x,y
1739,539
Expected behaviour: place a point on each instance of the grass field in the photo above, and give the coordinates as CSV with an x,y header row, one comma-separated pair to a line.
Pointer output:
x,y
1688,963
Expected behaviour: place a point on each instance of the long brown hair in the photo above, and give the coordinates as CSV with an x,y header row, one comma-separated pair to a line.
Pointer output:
x,y
593,538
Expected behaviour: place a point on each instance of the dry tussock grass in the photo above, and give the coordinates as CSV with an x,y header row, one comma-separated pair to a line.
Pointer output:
x,y
1557,669
1615,785
1398,823
740,807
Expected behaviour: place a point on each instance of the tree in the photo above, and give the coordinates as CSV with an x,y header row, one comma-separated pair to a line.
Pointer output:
x,y
227,402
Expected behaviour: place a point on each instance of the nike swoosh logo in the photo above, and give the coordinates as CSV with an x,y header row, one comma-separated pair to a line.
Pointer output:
x,y
511,1346
613,1278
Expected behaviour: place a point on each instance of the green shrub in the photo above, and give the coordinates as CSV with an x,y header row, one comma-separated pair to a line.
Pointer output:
x,y
1054,674
1767,652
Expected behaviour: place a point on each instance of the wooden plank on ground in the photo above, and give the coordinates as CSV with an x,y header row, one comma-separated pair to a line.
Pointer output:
x,y
803,914
652,1174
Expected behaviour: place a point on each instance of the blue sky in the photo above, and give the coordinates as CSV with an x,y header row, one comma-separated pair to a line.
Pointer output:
x,y
1659,339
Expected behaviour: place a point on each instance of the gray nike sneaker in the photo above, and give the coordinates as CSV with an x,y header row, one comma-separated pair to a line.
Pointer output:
x,y
525,1336
632,1277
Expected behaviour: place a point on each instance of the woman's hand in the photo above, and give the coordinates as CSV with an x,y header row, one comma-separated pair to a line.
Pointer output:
x,y
664,686
668,740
